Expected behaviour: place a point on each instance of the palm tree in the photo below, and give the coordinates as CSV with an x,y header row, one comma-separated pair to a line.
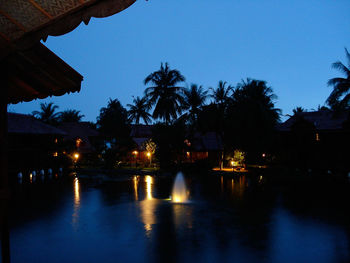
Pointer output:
x,y
70,116
251,117
222,93
139,110
340,96
194,100
297,110
165,95
47,113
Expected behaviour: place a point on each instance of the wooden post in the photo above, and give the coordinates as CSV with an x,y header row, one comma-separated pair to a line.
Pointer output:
x,y
4,189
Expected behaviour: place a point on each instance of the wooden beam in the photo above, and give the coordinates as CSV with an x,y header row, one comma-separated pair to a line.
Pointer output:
x,y
13,21
4,189
4,37
42,10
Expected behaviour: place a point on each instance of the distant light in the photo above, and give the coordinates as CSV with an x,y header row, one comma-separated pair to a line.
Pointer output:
x,y
76,156
135,152
264,155
55,154
148,154
188,154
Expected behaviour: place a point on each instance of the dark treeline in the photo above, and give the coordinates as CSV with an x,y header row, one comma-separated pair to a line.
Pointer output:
x,y
244,116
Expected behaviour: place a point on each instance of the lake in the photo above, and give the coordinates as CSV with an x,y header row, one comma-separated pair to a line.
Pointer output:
x,y
248,218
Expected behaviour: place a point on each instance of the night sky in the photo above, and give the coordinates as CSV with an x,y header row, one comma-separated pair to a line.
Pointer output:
x,y
290,44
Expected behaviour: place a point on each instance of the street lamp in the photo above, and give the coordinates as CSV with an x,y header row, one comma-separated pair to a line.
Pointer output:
x,y
135,153
149,155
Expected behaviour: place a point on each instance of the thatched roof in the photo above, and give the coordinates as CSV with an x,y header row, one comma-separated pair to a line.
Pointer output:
x,y
78,130
209,141
27,22
33,71
27,124
38,73
322,120
141,131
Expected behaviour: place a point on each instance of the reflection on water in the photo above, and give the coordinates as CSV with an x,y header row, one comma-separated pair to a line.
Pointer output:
x,y
236,186
76,189
136,184
229,220
148,206
183,215
149,183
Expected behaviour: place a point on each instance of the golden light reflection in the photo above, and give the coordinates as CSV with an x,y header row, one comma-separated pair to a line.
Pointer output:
x,y
76,189
222,183
183,215
31,178
136,183
149,183
148,215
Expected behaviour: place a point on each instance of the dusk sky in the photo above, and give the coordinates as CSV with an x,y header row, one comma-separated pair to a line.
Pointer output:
x,y
289,44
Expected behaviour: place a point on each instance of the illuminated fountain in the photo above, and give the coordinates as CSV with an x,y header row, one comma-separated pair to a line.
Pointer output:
x,y
179,194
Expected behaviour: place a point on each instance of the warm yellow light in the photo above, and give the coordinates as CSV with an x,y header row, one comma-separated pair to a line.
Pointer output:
x,y
55,154
76,156
188,154
149,182
148,154
232,163
135,152
263,155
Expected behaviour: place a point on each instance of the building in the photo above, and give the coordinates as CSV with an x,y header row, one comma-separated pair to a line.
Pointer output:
x,y
32,144
318,139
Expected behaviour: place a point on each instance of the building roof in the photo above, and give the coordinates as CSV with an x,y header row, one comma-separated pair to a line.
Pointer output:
x,y
78,130
27,22
209,141
81,130
141,131
27,124
34,71
322,120
38,73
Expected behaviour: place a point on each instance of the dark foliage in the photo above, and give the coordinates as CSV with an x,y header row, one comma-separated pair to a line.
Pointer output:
x,y
164,94
170,143
339,99
251,118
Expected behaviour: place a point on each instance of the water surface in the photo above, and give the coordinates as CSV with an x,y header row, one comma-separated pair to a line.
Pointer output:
x,y
229,219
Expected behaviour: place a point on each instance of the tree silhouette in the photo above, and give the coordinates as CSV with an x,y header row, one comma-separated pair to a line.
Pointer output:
x,y
47,113
297,110
194,100
70,116
251,117
340,96
139,110
164,94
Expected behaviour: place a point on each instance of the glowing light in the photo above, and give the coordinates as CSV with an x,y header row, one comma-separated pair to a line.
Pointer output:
x,y
263,155
55,154
188,154
149,182
148,154
76,189
135,152
135,179
78,142
232,163
76,156
179,194
317,137
31,177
